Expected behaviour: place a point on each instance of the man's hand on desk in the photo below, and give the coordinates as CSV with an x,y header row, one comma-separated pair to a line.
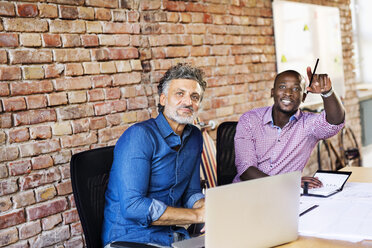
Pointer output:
x,y
313,182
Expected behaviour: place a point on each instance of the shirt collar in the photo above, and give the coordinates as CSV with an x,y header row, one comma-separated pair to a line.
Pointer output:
x,y
268,116
165,128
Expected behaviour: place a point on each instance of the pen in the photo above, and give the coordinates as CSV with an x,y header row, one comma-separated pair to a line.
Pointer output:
x,y
312,75
308,210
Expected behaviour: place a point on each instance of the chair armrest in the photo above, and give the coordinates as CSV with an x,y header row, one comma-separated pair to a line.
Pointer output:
x,y
122,244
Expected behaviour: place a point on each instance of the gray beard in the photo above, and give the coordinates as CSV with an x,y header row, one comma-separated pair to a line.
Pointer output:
x,y
172,114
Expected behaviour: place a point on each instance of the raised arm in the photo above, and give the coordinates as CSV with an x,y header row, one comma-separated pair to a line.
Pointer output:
x,y
335,112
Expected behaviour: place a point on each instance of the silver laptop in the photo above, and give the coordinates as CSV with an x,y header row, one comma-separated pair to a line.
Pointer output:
x,y
257,213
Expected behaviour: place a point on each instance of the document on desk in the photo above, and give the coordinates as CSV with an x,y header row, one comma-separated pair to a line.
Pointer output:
x,y
344,216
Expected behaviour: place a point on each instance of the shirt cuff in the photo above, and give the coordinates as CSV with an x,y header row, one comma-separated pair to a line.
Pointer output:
x,y
156,209
194,198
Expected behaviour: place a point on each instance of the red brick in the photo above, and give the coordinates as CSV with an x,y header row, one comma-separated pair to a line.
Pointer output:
x,y
200,51
19,135
55,99
65,26
45,193
5,120
101,81
14,104
133,16
37,179
78,140
119,15
27,10
65,169
77,97
40,132
173,52
29,229
112,133
120,28
74,69
91,68
79,126
112,93
126,78
64,188
103,14
48,11
96,95
8,186
48,238
19,167
51,221
72,201
72,55
8,236
110,107
23,198
175,6
7,9
9,40
52,40
70,216
28,88
137,103
41,162
68,2
158,53
114,119
4,89
3,57
34,117
68,12
89,40
76,83
46,209
36,101
100,54
75,112
150,5
30,56
86,13
123,53
25,25
71,40
39,147
102,3
11,219
75,242
97,123
53,71
10,73
5,204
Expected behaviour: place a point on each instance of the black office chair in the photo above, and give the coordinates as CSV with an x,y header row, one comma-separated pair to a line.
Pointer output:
x,y
226,170
89,177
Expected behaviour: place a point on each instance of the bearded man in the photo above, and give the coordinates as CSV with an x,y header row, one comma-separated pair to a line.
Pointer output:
x,y
154,182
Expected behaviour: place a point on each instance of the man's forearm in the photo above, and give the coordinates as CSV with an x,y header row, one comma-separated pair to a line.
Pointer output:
x,y
252,173
180,216
335,112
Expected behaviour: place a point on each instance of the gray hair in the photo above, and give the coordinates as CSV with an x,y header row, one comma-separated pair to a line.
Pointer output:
x,y
180,71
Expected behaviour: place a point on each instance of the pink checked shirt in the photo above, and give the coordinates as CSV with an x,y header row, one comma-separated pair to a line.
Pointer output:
x,y
274,150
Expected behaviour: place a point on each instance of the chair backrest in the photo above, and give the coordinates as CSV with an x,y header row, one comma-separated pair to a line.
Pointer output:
x,y
89,177
226,170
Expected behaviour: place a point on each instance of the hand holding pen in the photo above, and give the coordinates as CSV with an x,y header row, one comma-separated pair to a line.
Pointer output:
x,y
319,83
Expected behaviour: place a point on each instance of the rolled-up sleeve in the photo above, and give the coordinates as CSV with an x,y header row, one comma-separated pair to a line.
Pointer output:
x,y
131,171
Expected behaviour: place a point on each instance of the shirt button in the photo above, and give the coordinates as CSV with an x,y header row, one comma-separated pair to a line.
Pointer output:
x,y
279,140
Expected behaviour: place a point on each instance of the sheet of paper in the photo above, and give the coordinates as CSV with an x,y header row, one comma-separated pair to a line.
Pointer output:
x,y
344,216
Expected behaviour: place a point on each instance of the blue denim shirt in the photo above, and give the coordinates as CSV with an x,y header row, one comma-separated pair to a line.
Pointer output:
x,y
147,175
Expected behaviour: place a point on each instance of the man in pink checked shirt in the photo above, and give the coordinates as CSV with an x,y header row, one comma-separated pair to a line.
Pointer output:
x,y
280,138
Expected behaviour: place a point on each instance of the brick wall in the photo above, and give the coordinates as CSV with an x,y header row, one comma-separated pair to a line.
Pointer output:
x,y
74,74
